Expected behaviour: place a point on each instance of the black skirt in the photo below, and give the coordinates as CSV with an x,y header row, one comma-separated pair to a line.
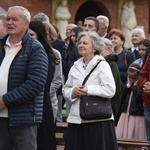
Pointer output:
x,y
91,136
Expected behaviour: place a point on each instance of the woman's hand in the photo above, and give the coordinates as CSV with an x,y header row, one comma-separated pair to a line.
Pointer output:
x,y
129,82
79,91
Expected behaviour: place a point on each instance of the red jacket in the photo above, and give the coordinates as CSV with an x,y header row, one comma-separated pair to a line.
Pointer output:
x,y
144,76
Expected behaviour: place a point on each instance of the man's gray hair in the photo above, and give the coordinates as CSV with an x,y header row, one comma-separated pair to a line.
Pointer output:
x,y
41,17
26,13
97,43
106,20
141,32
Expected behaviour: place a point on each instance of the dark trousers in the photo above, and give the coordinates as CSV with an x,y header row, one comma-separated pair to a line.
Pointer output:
x,y
17,137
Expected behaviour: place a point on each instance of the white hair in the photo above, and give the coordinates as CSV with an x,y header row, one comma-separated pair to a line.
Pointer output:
x,y
141,31
106,20
108,44
26,13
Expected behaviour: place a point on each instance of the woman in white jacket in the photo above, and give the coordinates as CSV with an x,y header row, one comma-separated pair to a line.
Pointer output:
x,y
89,134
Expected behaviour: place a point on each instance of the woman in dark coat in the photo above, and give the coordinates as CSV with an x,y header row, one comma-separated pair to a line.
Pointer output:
x,y
125,57
46,131
112,58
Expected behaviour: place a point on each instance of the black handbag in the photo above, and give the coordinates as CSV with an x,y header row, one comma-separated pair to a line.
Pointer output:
x,y
94,107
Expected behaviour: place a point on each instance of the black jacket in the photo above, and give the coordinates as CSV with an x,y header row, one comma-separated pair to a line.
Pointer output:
x,y
136,106
26,81
61,47
116,99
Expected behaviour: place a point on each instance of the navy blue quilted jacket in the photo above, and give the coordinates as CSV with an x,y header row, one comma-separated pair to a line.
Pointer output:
x,y
26,82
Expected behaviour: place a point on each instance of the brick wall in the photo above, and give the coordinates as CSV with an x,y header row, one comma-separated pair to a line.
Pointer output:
x,y
111,6
142,13
34,6
141,9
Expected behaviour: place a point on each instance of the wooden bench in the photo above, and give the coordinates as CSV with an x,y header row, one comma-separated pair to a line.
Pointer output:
x,y
60,147
61,126
131,143
121,142
59,137
60,141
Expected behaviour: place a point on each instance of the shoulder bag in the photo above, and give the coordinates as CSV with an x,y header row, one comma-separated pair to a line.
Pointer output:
x,y
94,107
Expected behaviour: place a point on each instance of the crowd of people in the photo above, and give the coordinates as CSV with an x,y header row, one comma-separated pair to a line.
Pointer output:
x,y
40,71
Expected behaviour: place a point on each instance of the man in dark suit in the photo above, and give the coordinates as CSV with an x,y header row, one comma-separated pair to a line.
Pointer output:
x,y
103,25
137,36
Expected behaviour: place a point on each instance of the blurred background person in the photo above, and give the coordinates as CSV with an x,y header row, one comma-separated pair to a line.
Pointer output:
x,y
103,25
146,55
125,56
131,124
68,30
58,80
58,76
41,17
144,83
2,25
79,23
143,45
90,24
57,31
46,130
112,58
73,39
136,36
59,45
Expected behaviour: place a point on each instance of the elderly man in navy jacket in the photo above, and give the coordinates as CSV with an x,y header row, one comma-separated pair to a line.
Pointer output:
x,y
23,67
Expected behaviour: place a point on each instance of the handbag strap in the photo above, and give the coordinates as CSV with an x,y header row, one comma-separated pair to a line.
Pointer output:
x,y
84,81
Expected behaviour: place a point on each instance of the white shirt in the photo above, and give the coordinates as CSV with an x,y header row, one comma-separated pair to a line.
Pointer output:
x,y
134,48
4,70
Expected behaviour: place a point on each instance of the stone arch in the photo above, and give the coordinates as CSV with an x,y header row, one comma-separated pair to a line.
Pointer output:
x,y
91,8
